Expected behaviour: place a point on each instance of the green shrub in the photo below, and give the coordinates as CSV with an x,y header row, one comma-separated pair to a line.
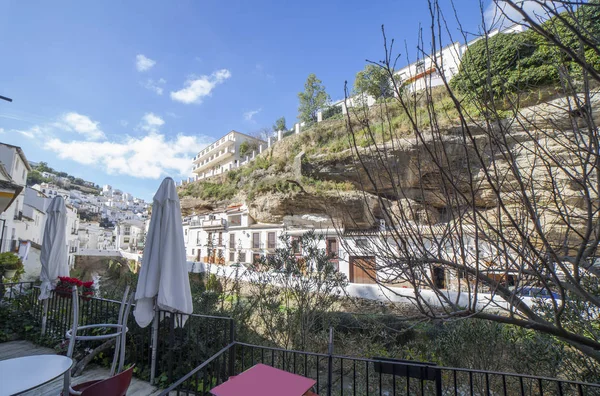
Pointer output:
x,y
516,62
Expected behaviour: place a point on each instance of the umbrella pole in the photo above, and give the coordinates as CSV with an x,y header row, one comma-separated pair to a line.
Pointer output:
x,y
154,344
44,316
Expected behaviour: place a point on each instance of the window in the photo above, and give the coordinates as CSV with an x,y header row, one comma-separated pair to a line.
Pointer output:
x,y
125,240
23,176
332,248
235,220
232,256
193,251
186,231
271,244
420,67
209,241
220,239
362,243
242,257
256,240
232,241
296,245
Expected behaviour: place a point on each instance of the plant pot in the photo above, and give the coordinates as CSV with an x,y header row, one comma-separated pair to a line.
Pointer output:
x,y
63,293
87,296
9,274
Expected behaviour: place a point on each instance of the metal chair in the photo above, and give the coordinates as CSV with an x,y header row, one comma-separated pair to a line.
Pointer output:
x,y
119,334
114,386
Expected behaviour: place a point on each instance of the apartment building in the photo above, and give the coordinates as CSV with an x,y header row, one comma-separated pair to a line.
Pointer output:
x,y
225,154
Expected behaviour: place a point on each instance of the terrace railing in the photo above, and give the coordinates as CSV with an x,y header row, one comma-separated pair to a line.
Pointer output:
x,y
162,351
343,375
204,353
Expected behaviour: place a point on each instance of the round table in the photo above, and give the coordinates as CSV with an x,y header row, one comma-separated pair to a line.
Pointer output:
x,y
25,373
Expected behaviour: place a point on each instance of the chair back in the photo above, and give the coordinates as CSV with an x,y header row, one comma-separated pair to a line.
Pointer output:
x,y
113,386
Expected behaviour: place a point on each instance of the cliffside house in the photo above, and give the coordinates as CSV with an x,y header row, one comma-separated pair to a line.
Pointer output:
x,y
225,154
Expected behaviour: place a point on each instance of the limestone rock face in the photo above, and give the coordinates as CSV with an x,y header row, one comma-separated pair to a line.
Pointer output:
x,y
352,208
191,205
420,180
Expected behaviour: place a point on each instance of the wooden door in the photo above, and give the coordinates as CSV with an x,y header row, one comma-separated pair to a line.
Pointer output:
x,y
362,270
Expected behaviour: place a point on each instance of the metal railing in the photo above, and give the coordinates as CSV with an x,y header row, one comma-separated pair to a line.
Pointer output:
x,y
344,375
176,350
204,353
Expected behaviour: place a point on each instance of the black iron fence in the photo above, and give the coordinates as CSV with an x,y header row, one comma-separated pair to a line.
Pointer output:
x,y
178,349
204,354
343,375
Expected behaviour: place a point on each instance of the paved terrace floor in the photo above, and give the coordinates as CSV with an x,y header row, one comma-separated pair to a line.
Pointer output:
x,y
14,349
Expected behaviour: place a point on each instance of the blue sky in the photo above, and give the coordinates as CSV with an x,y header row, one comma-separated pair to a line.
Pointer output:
x,y
125,93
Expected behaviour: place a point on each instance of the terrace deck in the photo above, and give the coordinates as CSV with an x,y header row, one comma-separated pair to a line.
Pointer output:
x,y
14,349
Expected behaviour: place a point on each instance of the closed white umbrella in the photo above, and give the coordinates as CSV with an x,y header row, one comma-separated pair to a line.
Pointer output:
x,y
54,257
163,276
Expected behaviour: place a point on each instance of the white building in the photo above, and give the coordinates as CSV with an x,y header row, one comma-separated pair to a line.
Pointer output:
x,y
130,235
429,70
17,167
33,222
93,237
232,236
72,230
226,154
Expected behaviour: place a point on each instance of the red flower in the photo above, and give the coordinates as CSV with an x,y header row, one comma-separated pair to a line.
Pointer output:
x,y
88,285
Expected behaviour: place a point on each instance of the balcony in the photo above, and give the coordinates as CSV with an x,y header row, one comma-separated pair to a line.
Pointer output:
x,y
206,353
213,160
214,148
214,223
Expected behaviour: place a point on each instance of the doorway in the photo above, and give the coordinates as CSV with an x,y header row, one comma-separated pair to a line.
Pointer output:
x,y
362,270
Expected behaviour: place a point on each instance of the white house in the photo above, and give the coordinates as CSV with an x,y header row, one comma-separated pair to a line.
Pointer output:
x,y
232,236
225,154
130,235
17,167
93,237
429,69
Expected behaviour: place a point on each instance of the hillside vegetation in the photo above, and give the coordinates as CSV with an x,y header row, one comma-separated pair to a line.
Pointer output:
x,y
318,161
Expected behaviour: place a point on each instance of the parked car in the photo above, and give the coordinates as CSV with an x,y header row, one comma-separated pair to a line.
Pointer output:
x,y
538,292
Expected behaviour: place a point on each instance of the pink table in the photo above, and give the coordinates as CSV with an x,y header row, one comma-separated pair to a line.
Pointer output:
x,y
263,380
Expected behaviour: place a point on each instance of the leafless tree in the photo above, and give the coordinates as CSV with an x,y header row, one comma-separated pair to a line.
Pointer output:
x,y
487,197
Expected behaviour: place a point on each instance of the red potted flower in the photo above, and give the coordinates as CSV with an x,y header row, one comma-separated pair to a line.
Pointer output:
x,y
65,285
87,290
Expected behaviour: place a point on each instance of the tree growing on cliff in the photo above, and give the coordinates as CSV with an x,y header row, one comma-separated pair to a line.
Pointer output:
x,y
280,124
486,200
374,81
312,99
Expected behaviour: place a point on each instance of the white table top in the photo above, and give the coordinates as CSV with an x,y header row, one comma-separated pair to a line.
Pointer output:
x,y
24,373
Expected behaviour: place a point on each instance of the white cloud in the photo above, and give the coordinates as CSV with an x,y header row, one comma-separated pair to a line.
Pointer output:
x,y
143,63
124,123
499,14
155,86
249,115
150,156
83,125
151,122
197,88
31,132
1,130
